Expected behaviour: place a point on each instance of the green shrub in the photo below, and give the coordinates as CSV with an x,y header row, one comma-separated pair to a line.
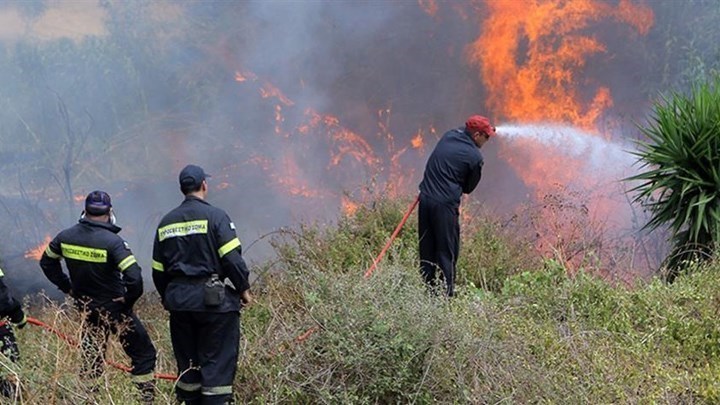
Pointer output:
x,y
320,332
354,242
490,253
681,183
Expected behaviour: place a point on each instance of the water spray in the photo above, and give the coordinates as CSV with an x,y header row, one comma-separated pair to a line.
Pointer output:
x,y
598,153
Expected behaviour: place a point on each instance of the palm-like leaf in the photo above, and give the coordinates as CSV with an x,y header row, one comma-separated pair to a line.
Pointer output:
x,y
681,182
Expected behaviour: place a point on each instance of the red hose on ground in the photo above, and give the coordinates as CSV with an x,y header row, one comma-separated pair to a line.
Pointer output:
x,y
299,339
72,342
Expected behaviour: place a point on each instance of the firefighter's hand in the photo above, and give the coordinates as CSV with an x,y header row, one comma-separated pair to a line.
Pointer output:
x,y
246,298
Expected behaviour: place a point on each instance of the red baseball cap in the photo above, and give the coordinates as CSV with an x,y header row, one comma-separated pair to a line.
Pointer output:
x,y
479,123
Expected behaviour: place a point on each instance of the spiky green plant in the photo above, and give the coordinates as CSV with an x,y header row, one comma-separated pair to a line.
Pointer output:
x,y
681,184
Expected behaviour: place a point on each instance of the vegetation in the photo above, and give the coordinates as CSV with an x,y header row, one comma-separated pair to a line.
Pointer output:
x,y
541,336
681,183
159,87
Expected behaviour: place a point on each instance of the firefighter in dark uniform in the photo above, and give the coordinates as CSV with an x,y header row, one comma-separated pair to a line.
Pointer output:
x,y
454,168
11,309
105,281
202,279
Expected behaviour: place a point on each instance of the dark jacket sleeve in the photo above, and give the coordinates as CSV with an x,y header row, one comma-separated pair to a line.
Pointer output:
x,y
160,277
230,251
50,265
130,271
473,177
9,306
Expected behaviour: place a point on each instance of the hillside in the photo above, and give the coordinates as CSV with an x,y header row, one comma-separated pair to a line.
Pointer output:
x,y
321,333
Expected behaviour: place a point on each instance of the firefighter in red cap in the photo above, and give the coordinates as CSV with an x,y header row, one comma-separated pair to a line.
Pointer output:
x,y
11,309
454,168
105,280
202,278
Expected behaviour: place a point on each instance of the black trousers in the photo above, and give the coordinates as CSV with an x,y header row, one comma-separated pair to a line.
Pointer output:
x,y
8,342
206,351
9,347
99,324
439,234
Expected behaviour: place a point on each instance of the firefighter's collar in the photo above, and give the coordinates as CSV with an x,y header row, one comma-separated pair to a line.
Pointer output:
x,y
110,227
193,198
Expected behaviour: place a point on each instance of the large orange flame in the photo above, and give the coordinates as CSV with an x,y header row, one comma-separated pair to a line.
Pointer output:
x,y
37,252
530,54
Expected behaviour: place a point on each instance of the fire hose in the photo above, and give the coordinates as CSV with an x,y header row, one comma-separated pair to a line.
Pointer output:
x,y
395,233
72,342
377,260
300,338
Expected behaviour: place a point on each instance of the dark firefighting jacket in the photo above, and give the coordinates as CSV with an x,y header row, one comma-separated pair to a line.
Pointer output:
x,y
454,168
9,306
101,265
193,242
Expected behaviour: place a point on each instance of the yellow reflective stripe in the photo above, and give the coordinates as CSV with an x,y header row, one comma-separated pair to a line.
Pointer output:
x,y
51,254
142,378
226,248
157,266
183,229
1,273
221,390
188,386
127,262
83,253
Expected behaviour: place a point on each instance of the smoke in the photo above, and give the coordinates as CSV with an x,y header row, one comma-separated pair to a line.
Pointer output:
x,y
295,108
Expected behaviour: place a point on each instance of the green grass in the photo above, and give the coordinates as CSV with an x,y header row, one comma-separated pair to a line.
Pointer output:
x,y
525,333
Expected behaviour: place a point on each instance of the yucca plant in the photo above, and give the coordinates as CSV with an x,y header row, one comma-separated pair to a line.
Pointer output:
x,y
681,184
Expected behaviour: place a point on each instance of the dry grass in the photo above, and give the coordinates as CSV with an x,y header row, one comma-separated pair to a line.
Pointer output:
x,y
321,333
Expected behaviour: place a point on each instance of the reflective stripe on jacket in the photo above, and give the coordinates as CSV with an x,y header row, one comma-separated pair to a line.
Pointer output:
x,y
192,242
101,266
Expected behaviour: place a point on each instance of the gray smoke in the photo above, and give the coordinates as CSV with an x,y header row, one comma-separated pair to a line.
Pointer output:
x,y
153,87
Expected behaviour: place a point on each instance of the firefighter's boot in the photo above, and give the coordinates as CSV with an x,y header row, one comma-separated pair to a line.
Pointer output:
x,y
147,392
8,388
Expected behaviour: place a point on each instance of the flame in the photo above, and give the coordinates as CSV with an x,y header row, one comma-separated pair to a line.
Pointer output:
x,y
317,157
268,90
245,76
37,252
349,207
417,141
540,83
531,55
429,6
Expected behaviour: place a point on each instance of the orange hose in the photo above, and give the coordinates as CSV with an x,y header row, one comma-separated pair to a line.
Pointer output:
x,y
395,233
72,341
379,257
